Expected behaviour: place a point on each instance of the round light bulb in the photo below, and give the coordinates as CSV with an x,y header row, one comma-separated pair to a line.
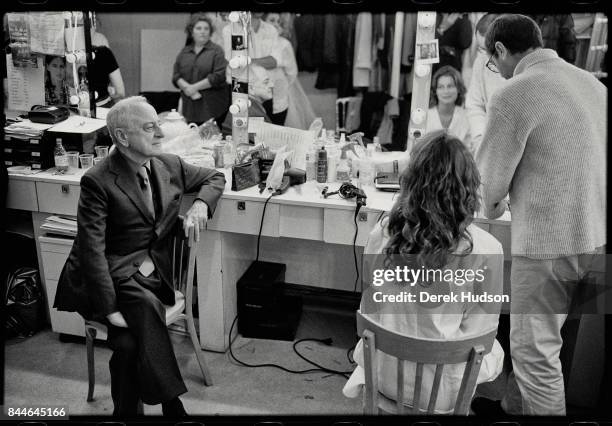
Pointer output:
x,y
71,58
418,116
428,20
234,17
234,109
422,70
74,100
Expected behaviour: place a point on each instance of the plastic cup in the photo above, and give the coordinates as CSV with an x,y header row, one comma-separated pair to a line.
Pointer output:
x,y
101,151
73,159
97,160
86,161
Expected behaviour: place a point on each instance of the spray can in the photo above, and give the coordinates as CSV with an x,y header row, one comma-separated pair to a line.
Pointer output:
x,y
311,165
218,149
322,165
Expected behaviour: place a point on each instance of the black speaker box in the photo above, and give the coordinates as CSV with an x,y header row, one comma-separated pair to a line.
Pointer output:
x,y
264,311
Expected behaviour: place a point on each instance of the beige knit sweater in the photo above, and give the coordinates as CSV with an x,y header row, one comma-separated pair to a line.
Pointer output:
x,y
545,145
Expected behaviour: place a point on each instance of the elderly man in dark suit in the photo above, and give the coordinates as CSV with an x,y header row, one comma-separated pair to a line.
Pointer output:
x,y
119,269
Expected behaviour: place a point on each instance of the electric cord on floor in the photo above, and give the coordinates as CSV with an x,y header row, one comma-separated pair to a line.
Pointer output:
x,y
357,208
310,370
263,215
327,341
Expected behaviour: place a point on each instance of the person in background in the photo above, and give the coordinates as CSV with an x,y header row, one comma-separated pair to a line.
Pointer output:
x,y
431,224
119,269
97,38
558,34
264,71
483,84
105,78
545,144
57,91
446,110
219,21
199,71
454,34
300,113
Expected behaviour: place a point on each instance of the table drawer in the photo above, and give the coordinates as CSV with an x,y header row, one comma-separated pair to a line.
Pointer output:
x,y
339,226
244,217
22,195
58,198
301,222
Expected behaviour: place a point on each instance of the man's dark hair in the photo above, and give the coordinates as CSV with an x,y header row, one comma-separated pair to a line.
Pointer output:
x,y
517,32
483,23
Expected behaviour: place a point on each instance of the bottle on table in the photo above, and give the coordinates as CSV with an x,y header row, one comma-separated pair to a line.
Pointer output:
x,y
218,150
377,145
228,152
311,166
322,165
60,156
343,171
367,169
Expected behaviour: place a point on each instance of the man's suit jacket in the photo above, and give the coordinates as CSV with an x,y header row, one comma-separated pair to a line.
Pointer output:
x,y
116,230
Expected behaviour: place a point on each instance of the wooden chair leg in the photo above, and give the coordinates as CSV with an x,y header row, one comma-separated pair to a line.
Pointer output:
x,y
90,337
198,350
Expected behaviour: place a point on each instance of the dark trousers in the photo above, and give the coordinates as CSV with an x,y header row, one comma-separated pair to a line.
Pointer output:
x,y
143,365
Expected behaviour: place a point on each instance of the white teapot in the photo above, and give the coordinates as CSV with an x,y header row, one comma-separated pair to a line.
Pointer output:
x,y
174,125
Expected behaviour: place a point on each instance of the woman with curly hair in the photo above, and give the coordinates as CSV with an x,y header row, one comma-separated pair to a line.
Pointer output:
x,y
446,105
430,228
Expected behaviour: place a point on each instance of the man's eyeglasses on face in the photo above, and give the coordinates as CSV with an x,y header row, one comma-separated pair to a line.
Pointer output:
x,y
491,65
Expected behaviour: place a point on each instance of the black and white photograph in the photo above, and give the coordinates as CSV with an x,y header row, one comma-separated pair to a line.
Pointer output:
x,y
189,241
427,52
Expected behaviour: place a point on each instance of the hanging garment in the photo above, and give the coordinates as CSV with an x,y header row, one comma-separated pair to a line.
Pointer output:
x,y
309,39
362,60
385,131
372,110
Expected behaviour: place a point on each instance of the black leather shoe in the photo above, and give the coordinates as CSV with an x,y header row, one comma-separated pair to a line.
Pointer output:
x,y
173,409
487,407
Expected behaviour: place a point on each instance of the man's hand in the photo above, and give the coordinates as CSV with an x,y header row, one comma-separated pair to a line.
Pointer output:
x,y
116,319
196,216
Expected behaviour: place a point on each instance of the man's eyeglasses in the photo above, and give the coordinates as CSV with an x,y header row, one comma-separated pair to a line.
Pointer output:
x,y
491,65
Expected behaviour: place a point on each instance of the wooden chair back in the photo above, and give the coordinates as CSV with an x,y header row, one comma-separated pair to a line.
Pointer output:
x,y
184,251
422,352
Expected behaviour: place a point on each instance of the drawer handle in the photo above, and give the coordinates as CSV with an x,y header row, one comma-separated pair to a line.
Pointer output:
x,y
65,189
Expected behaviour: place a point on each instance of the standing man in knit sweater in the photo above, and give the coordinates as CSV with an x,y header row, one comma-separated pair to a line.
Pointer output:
x,y
545,146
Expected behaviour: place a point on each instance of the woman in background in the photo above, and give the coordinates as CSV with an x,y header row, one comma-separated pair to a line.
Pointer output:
x,y
199,71
446,110
56,87
432,223
300,113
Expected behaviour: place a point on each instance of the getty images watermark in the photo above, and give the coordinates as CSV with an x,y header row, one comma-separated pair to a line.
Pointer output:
x,y
407,284
406,276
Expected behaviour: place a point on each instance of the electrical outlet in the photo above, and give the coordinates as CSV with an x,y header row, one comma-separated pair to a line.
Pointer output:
x,y
241,206
362,217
